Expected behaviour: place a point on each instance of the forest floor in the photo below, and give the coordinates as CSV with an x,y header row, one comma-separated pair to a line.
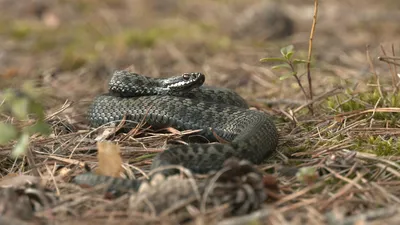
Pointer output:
x,y
338,156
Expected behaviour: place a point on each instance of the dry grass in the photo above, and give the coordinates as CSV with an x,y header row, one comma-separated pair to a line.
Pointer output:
x,y
350,142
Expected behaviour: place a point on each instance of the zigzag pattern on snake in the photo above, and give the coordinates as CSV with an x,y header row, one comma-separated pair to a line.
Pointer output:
x,y
183,103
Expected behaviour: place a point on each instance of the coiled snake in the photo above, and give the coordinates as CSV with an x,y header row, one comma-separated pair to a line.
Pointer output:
x,y
184,103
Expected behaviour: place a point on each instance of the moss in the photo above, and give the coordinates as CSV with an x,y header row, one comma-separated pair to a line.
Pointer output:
x,y
220,44
72,61
20,31
383,147
145,39
377,145
394,99
205,27
17,30
296,148
366,100
83,37
44,43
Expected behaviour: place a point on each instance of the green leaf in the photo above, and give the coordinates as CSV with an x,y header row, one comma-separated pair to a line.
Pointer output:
x,y
29,89
39,127
37,109
286,50
273,60
7,133
286,76
280,66
20,108
6,97
20,147
299,61
289,55
290,48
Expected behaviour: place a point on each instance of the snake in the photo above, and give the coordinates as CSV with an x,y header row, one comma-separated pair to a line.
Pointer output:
x,y
184,102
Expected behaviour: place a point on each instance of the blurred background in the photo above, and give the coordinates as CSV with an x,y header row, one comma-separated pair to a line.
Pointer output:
x,y
73,46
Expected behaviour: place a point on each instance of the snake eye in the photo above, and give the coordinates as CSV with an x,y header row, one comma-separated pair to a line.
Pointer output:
x,y
186,76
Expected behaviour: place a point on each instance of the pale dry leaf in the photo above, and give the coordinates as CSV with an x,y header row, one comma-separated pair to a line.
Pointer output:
x,y
107,132
110,161
178,132
51,20
173,130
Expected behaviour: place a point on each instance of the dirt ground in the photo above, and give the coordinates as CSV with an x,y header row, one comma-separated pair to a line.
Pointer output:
x,y
71,48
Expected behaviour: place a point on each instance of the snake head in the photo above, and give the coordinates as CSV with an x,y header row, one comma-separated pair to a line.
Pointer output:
x,y
184,82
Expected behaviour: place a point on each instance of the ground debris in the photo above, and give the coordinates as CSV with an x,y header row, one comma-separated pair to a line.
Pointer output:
x,y
352,141
236,189
19,204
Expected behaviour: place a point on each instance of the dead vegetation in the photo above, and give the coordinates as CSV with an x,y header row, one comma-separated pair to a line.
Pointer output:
x,y
337,166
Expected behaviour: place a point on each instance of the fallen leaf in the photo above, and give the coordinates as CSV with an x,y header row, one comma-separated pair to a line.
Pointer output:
x,y
107,132
110,161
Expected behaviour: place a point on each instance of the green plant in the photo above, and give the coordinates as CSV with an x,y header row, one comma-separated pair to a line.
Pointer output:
x,y
24,107
290,64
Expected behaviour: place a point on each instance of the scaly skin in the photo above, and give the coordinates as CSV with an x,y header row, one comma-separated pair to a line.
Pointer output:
x,y
251,134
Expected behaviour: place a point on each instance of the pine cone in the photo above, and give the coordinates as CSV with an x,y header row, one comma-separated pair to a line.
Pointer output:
x,y
238,184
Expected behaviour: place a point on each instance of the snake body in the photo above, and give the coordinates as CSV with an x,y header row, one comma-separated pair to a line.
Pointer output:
x,y
183,103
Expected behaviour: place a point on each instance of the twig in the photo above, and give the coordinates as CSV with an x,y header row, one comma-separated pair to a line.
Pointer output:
x,y
65,106
388,61
362,155
324,95
282,101
390,57
31,161
390,68
53,179
373,71
310,52
248,219
342,191
210,188
363,217
395,71
297,205
178,205
374,110
337,175
297,194
299,81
